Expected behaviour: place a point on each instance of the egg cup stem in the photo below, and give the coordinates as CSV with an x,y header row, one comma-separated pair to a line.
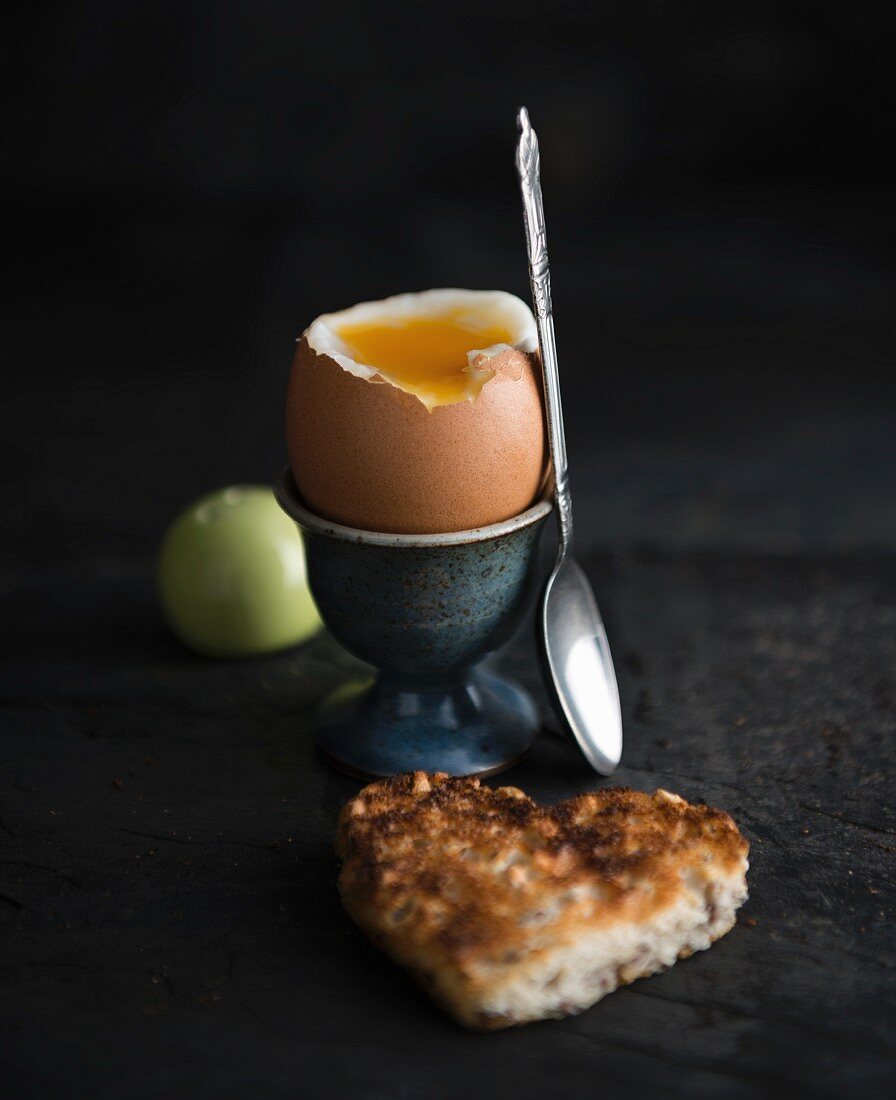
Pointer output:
x,y
480,725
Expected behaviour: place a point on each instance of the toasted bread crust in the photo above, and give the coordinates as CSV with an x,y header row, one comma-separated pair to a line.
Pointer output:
x,y
470,886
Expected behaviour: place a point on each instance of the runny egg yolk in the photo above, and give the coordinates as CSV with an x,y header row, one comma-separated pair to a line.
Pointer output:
x,y
425,355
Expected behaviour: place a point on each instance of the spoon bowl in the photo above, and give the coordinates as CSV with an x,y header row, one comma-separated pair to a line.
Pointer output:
x,y
578,666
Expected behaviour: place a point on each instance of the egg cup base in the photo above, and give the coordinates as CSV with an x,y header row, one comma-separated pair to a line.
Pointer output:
x,y
481,725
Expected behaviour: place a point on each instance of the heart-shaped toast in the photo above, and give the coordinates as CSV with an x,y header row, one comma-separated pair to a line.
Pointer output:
x,y
507,911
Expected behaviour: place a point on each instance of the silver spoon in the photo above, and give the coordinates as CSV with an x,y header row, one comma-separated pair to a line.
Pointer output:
x,y
575,652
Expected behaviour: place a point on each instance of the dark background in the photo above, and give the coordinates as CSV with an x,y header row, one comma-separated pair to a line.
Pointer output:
x,y
188,185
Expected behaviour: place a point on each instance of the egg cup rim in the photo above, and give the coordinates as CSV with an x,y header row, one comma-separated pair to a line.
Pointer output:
x,y
289,500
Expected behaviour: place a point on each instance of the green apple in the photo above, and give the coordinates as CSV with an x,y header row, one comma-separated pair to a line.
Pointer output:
x,y
231,576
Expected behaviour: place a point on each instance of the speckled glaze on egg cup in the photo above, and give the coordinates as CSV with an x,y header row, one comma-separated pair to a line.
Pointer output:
x,y
424,610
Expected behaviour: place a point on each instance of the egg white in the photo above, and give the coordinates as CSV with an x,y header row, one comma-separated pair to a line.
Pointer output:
x,y
476,307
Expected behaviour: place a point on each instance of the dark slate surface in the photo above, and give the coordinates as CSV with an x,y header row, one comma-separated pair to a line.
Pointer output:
x,y
169,923
192,184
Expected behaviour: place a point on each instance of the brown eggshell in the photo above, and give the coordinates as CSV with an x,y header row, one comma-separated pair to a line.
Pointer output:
x,y
368,455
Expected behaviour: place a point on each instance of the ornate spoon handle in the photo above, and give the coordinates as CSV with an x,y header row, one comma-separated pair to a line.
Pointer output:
x,y
528,166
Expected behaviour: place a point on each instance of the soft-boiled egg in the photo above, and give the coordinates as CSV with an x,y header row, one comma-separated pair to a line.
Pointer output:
x,y
420,413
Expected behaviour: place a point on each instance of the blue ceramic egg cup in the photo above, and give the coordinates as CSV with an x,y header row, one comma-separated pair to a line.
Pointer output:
x,y
424,610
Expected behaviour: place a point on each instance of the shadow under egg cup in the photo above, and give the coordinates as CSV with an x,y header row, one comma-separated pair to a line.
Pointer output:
x,y
424,610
